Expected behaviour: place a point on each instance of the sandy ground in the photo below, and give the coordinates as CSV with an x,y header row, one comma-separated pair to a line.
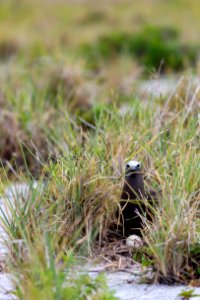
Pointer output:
x,y
126,288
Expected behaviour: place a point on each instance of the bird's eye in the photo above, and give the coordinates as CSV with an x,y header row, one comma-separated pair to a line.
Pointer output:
x,y
138,165
127,166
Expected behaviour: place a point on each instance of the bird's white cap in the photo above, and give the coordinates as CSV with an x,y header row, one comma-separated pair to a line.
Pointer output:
x,y
133,165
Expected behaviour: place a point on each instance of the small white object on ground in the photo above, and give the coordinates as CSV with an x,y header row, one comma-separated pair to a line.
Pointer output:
x,y
134,242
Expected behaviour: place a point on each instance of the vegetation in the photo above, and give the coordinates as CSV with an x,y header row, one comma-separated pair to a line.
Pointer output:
x,y
44,279
188,294
154,48
71,128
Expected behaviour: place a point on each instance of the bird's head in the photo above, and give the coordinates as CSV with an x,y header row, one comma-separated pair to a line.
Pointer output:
x,y
132,167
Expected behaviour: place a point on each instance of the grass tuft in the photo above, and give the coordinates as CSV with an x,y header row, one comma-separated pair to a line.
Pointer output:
x,y
155,48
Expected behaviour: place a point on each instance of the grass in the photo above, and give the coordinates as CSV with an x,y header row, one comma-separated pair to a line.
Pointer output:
x,y
155,48
82,187
72,130
42,278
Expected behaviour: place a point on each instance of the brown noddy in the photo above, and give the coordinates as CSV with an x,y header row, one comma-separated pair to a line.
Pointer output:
x,y
135,202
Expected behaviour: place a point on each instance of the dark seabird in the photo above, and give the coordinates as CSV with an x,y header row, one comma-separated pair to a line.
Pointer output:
x,y
136,203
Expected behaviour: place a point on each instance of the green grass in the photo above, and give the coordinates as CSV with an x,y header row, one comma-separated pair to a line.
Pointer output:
x,y
155,48
64,125
45,278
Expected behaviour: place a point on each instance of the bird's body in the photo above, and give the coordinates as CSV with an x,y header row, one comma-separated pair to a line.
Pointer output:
x,y
134,200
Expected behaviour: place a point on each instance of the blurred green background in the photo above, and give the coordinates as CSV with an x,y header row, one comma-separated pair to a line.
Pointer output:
x,y
32,29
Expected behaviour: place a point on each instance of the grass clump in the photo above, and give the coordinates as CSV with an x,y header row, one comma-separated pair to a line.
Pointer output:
x,y
174,234
73,207
23,143
44,277
68,86
153,47
105,48
30,107
8,49
160,48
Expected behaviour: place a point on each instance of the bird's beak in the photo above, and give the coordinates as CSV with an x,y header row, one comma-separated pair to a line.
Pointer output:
x,y
134,169
131,170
